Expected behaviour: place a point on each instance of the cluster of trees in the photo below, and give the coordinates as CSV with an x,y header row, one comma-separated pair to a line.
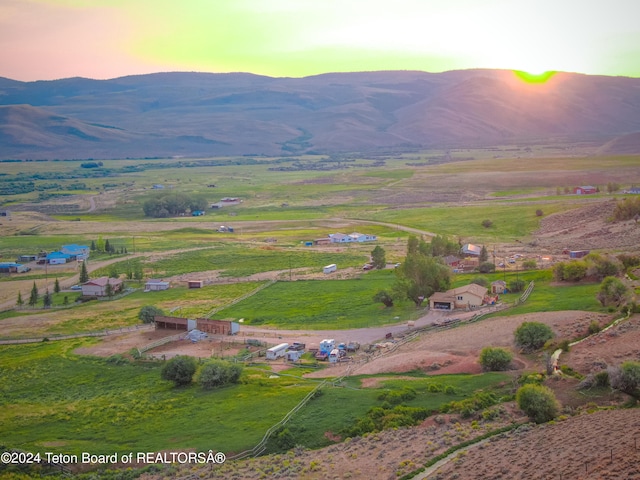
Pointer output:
x,y
171,204
105,246
422,273
594,266
132,272
182,369
47,298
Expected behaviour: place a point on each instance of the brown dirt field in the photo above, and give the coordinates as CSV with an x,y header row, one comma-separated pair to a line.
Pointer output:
x,y
612,347
456,350
581,447
384,455
587,227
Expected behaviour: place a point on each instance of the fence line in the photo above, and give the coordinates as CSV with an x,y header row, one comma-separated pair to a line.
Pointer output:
x,y
162,341
261,446
241,298
101,333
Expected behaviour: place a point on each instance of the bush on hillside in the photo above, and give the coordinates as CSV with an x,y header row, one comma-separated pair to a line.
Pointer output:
x,y
179,370
532,335
217,373
494,359
538,402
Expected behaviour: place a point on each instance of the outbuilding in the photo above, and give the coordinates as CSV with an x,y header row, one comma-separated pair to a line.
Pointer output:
x,y
156,285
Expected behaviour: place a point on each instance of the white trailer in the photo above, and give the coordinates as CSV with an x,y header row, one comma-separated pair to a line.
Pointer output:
x,y
334,356
330,268
278,351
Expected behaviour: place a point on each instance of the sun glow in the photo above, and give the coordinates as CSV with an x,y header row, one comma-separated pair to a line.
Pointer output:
x,y
530,77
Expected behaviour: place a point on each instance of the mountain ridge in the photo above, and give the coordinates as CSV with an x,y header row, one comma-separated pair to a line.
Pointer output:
x,y
207,114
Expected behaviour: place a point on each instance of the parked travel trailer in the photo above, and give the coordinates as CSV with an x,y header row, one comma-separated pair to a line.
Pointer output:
x,y
327,345
334,356
330,268
276,352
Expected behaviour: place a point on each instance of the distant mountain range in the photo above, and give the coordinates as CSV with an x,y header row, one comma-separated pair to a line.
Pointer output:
x,y
202,114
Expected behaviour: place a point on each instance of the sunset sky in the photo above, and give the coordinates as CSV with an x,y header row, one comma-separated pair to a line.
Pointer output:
x,y
49,39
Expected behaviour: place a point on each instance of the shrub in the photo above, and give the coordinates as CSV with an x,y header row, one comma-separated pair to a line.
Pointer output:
x,y
538,402
216,373
179,370
529,265
495,359
612,292
516,286
532,335
487,267
487,223
480,280
539,213
594,327
626,378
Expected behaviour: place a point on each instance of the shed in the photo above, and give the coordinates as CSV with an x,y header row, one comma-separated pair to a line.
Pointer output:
x,y
194,283
585,190
155,285
217,327
58,258
12,267
171,323
499,286
578,253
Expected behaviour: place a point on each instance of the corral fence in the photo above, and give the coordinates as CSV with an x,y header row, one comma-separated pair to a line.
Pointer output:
x,y
161,341
100,333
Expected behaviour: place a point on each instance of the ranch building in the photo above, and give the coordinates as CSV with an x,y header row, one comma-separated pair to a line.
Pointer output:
x,y
465,297
98,287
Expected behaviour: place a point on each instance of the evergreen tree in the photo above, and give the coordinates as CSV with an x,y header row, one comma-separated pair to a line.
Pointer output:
x,y
107,246
108,289
56,287
93,246
47,300
100,244
19,302
484,255
84,275
33,298
65,300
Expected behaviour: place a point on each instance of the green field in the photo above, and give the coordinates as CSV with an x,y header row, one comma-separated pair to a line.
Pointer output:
x,y
53,400
323,305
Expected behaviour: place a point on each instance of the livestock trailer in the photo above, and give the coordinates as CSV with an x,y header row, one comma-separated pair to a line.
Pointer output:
x,y
276,352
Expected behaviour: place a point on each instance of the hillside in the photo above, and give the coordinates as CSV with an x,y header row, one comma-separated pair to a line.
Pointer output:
x,y
200,114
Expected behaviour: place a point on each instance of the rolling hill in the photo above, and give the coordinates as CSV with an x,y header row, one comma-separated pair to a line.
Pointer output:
x,y
202,114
